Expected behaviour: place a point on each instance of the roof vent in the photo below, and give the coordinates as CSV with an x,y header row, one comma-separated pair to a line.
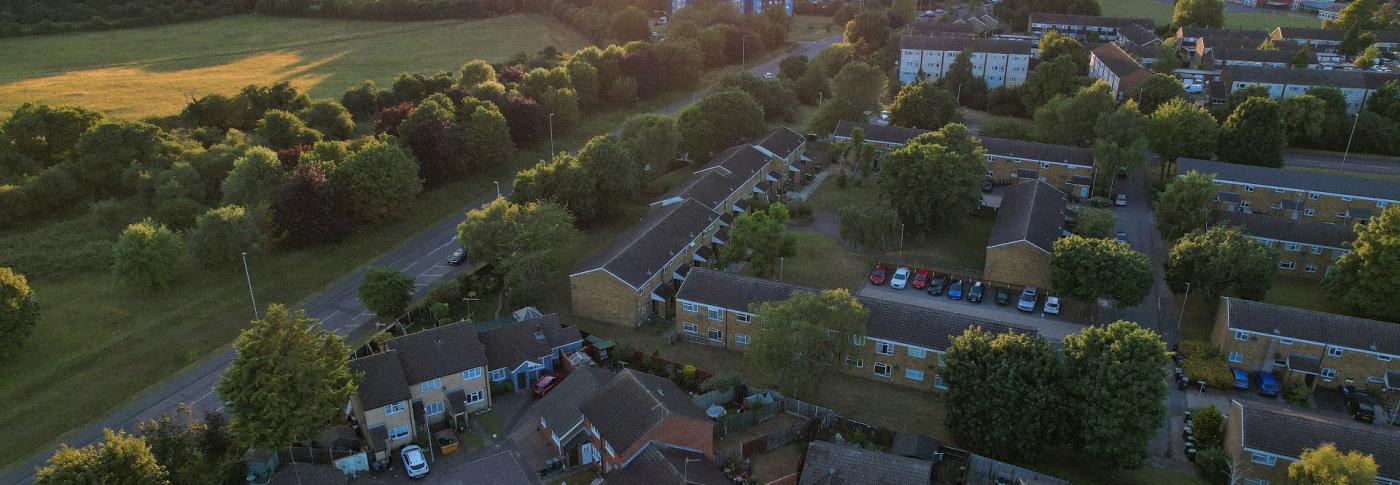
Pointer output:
x,y
1277,331
659,392
539,335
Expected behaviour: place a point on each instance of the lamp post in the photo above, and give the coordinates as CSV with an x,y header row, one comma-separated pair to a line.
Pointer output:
x,y
1182,316
1354,118
744,50
781,262
498,188
551,135
249,276
901,241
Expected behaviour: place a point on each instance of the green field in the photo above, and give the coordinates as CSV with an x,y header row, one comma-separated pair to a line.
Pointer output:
x,y
154,71
811,27
1161,14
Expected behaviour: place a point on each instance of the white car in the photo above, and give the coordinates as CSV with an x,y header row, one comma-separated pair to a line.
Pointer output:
x,y
884,115
413,461
1121,200
900,279
768,75
1052,305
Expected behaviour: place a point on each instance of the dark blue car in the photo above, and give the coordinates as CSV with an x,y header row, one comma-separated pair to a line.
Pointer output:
x,y
1267,384
955,290
1241,379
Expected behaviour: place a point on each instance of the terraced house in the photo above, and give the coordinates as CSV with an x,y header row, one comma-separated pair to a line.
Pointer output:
x,y
1114,66
1305,248
1266,438
1307,346
1070,169
1330,40
520,351
1093,28
1000,62
1356,86
902,343
1294,195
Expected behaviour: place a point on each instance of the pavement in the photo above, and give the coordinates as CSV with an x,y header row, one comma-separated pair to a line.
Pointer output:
x,y
1052,327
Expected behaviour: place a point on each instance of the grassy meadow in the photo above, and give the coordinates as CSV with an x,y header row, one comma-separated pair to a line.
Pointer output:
x,y
154,71
1161,13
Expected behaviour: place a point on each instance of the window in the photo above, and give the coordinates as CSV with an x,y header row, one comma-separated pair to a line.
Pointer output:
x,y
743,317
1334,351
690,307
938,382
1375,380
1383,358
430,385
1346,198
1285,341
1044,164
1262,459
1287,264
1241,336
690,328
917,353
989,173
858,341
741,339
1312,195
1342,215
882,370
498,375
714,334
884,348
394,408
1255,481
471,374
1311,268
854,362
1316,249
1278,191
1291,246
398,433
475,397
1277,205
1309,212
1236,357
1329,373
1382,204
1249,188
912,374
716,314
434,408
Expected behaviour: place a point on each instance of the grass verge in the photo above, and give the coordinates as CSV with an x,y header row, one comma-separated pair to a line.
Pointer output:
x,y
1347,173
1297,292
810,27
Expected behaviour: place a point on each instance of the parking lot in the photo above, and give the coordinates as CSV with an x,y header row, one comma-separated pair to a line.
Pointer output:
x,y
1053,327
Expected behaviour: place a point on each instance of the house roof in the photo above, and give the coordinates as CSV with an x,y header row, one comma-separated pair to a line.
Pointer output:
x,y
561,408
633,403
1275,429
1118,61
510,345
663,465
647,246
308,474
1031,211
929,27
1327,328
711,189
1306,77
383,382
438,352
742,160
1284,229
781,142
1137,34
1212,42
1334,35
1093,20
994,146
1198,32
877,133
962,43
828,463
1141,52
1307,181
914,445
1256,55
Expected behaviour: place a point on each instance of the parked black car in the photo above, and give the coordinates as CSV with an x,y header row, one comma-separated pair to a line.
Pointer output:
x,y
457,257
975,294
939,284
1360,405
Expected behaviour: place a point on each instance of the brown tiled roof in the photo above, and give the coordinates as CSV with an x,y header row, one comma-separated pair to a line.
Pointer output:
x,y
562,407
645,249
1031,211
960,43
1281,431
1284,229
1197,32
383,381
829,463
1314,326
782,141
510,345
633,403
1113,57
438,352
662,465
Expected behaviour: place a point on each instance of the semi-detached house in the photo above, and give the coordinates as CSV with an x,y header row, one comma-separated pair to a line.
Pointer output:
x,y
518,352
902,344
1294,195
1266,438
1305,248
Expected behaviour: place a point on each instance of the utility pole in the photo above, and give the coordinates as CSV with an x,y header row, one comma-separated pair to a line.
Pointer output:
x,y
249,276
901,241
1354,118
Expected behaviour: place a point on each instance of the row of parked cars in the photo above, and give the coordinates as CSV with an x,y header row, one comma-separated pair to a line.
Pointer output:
x,y
956,289
1360,405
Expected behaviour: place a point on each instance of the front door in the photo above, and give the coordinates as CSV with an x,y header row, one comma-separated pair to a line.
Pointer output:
x,y
588,454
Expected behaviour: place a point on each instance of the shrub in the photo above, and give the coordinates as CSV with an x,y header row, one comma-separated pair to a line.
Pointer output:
x,y
799,210
1213,465
1203,362
1207,422
1298,394
721,381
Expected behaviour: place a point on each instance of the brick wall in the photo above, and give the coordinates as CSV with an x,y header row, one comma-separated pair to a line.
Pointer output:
x,y
1020,263
1003,170
869,361
1325,207
599,296
1262,352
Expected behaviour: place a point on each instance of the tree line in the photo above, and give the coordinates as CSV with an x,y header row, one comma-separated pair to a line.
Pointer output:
x,y
39,17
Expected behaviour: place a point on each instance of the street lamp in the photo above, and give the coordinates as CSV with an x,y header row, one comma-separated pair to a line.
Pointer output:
x,y
744,50
498,188
1355,118
1183,311
551,135
249,277
901,241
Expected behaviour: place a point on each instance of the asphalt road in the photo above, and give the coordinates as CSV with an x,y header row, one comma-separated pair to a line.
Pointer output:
x,y
338,308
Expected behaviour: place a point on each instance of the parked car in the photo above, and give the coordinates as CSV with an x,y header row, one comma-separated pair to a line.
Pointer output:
x,y
1052,305
1121,200
1122,172
939,284
900,279
975,294
457,257
545,383
1027,301
920,279
1122,237
1003,297
1241,379
1360,405
1266,383
413,461
955,290
877,275
768,75
884,116
987,186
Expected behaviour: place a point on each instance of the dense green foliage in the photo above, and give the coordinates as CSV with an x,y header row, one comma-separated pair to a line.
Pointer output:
x,y
1364,281
1326,465
19,310
1254,134
525,244
386,291
1184,205
1199,13
118,458
221,235
1222,259
1015,419
1116,391
924,105
1181,129
718,121
761,238
148,255
1070,120
52,17
935,179
803,337
1090,268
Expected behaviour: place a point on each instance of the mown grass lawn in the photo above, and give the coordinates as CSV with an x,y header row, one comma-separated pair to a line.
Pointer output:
x,y
811,27
154,70
1161,14
1298,292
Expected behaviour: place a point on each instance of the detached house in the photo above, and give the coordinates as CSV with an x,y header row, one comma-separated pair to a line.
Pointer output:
x,y
1122,73
1305,248
1029,220
1307,346
1294,195
1266,438
520,351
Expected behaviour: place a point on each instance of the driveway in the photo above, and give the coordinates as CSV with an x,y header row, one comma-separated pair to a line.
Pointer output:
x,y
1050,326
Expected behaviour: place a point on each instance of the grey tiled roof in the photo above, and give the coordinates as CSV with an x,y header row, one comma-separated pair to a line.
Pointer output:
x,y
1255,55
633,403
1113,57
734,292
995,146
1328,328
562,407
1284,229
1196,32
662,465
710,189
510,345
438,352
877,133
1311,364
645,249
1277,177
1306,77
1139,35
1090,20
828,463
782,141
383,381
928,27
914,445
961,43
1031,211
1335,35
1288,432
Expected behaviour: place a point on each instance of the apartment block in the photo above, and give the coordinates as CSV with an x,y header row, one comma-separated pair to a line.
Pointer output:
x,y
1356,86
1330,40
1121,71
999,62
1294,195
1315,348
1266,438
1307,249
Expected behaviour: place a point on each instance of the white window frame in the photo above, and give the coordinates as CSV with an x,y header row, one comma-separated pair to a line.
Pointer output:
x,y
714,334
1241,335
855,362
1375,379
1236,357
741,339
743,317
1288,265
1334,351
395,408
1285,341
690,307
472,373
398,433
1316,249
889,370
1292,246
1312,195
434,408
428,385
498,375
1249,188
1329,373
1255,481
938,382
1310,268
884,348
475,397
1383,358
917,353
690,328
913,374
1262,459
716,314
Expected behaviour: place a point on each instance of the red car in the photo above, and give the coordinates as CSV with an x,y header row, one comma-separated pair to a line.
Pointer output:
x,y
877,276
546,383
920,279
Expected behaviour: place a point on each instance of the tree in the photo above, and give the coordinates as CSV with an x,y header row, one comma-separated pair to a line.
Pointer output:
x,y
47,134
19,310
119,458
935,179
329,118
1181,129
1050,79
859,84
1303,57
1326,465
968,89
1090,268
561,180
364,101
309,210
221,235
1368,57
377,182
1184,204
629,24
289,381
1168,57
119,151
564,105
1156,90
614,174
255,179
1115,381
1119,143
427,133
386,291
487,143
476,72
776,97
527,243
802,338
1094,222
1238,96
147,255
1053,45
1303,117
1018,418
793,67
1363,280
1360,14
761,238
1199,13
1071,121
652,139
1222,259
584,79
1254,134
718,121
192,451
868,30
873,228
280,130
924,105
